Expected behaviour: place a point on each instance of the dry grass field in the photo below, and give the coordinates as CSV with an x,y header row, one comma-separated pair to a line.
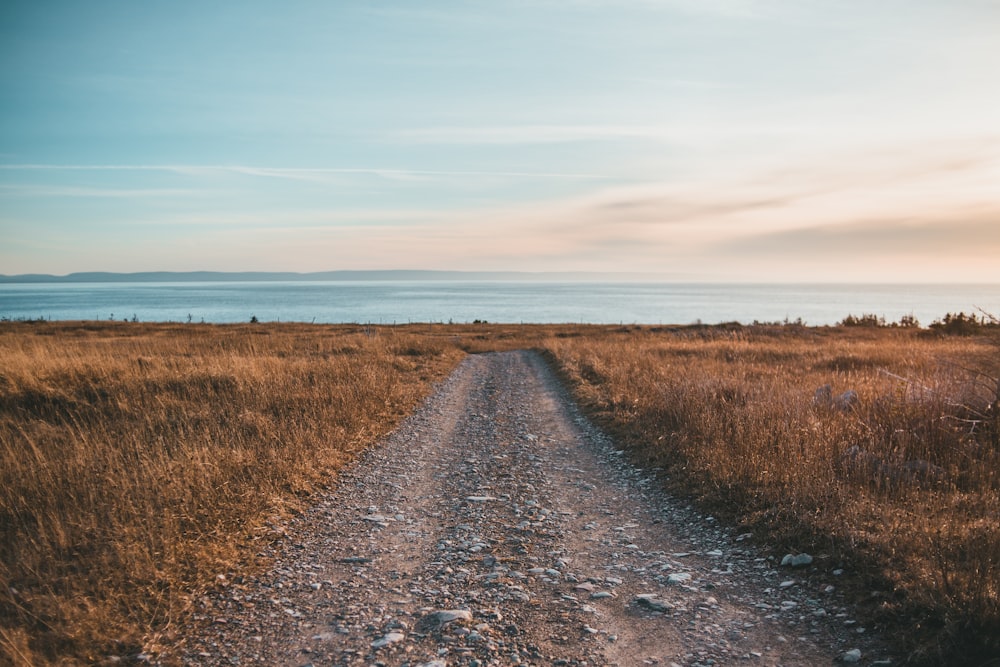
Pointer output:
x,y
899,482
139,461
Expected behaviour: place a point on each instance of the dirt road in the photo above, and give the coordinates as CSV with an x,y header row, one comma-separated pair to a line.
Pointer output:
x,y
496,527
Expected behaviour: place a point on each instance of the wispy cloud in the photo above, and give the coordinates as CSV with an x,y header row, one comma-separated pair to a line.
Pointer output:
x,y
529,134
977,234
532,134
47,191
869,213
297,173
296,220
715,8
704,135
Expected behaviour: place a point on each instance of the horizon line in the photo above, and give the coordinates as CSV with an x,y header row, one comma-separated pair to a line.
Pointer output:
x,y
481,275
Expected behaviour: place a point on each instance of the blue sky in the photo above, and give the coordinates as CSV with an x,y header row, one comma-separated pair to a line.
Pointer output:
x,y
758,140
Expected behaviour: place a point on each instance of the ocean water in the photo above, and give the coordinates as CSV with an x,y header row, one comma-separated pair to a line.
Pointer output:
x,y
400,302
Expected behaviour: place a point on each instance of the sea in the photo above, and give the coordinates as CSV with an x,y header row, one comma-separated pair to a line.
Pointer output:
x,y
412,301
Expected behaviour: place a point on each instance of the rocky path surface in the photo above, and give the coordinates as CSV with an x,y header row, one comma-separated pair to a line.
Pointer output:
x,y
496,527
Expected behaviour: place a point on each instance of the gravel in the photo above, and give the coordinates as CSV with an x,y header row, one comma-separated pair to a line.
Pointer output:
x,y
496,526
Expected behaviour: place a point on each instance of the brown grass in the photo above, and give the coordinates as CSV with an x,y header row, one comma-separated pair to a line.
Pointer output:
x,y
730,418
137,462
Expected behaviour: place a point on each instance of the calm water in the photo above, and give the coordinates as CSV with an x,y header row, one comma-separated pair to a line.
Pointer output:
x,y
436,301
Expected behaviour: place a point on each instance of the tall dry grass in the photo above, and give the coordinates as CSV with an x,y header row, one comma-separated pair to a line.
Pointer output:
x,y
731,417
139,461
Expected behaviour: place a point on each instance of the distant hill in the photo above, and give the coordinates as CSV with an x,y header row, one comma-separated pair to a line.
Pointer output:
x,y
265,276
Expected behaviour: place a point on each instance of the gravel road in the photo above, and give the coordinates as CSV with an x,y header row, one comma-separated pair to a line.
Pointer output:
x,y
497,527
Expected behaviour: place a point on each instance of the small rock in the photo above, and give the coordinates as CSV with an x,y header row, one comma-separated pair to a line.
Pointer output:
x,y
388,640
649,601
438,619
678,578
846,401
796,560
852,656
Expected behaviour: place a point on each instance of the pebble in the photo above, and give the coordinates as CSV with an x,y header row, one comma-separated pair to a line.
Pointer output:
x,y
440,618
389,639
852,656
650,602
797,560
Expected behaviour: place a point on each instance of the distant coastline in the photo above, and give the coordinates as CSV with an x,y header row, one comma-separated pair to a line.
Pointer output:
x,y
407,275
291,276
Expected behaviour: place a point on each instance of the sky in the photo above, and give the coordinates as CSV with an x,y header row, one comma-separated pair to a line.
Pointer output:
x,y
695,140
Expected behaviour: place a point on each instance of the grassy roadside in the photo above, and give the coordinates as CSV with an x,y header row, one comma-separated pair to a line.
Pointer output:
x,y
903,484
138,461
